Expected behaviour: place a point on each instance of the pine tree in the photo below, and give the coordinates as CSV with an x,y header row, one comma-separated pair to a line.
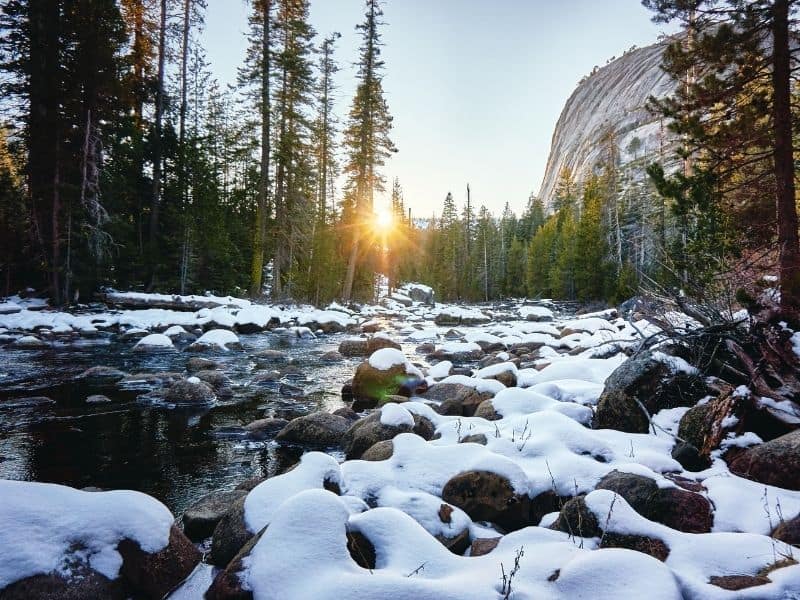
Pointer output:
x,y
736,64
366,139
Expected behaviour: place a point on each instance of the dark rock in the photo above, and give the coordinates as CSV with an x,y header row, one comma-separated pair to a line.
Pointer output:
x,y
396,399
788,531
776,462
576,519
361,549
426,349
85,584
487,496
332,356
367,432
216,379
155,575
693,427
197,363
249,484
355,347
347,391
738,582
263,429
101,376
646,545
677,508
474,438
348,413
486,411
650,382
376,343
201,518
319,430
371,385
455,399
457,544
188,392
227,585
382,450
482,546
270,355
230,535
689,457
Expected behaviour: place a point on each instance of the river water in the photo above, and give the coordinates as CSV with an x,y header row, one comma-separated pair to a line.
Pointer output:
x,y
173,454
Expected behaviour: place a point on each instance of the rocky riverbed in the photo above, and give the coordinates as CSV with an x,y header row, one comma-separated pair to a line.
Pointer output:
x,y
512,450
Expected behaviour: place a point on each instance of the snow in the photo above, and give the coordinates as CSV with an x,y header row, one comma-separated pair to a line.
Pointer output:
x,y
41,524
589,325
386,358
174,331
494,370
154,340
440,370
481,386
675,363
459,347
539,312
395,415
263,501
220,338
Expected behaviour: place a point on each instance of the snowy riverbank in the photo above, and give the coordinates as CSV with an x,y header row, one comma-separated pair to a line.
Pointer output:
x,y
488,482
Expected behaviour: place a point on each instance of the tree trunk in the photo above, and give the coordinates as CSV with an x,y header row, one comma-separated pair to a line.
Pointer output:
x,y
159,110
786,209
182,185
260,229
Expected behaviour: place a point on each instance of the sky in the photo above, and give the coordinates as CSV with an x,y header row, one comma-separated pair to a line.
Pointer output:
x,y
475,86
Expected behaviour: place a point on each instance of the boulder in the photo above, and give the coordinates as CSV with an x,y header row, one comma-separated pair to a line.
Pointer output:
x,y
101,376
693,426
455,399
576,519
230,535
155,575
376,343
81,584
474,438
420,293
331,356
487,496
651,380
486,411
155,342
386,373
353,347
640,543
227,584
198,363
216,379
201,518
262,429
674,507
367,432
776,462
481,546
382,450
189,392
788,531
319,430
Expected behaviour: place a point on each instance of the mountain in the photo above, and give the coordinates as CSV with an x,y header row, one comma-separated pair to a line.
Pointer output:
x,y
613,98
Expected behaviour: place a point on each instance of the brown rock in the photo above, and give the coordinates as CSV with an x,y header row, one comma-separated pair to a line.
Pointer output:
x,y
487,496
157,574
482,546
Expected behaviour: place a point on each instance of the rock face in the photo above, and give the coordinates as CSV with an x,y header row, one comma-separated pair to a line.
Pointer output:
x,y
776,462
615,96
647,380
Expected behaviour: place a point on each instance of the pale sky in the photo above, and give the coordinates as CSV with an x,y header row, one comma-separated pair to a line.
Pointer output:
x,y
475,86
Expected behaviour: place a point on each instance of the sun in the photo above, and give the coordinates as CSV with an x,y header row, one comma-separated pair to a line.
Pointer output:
x,y
383,220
